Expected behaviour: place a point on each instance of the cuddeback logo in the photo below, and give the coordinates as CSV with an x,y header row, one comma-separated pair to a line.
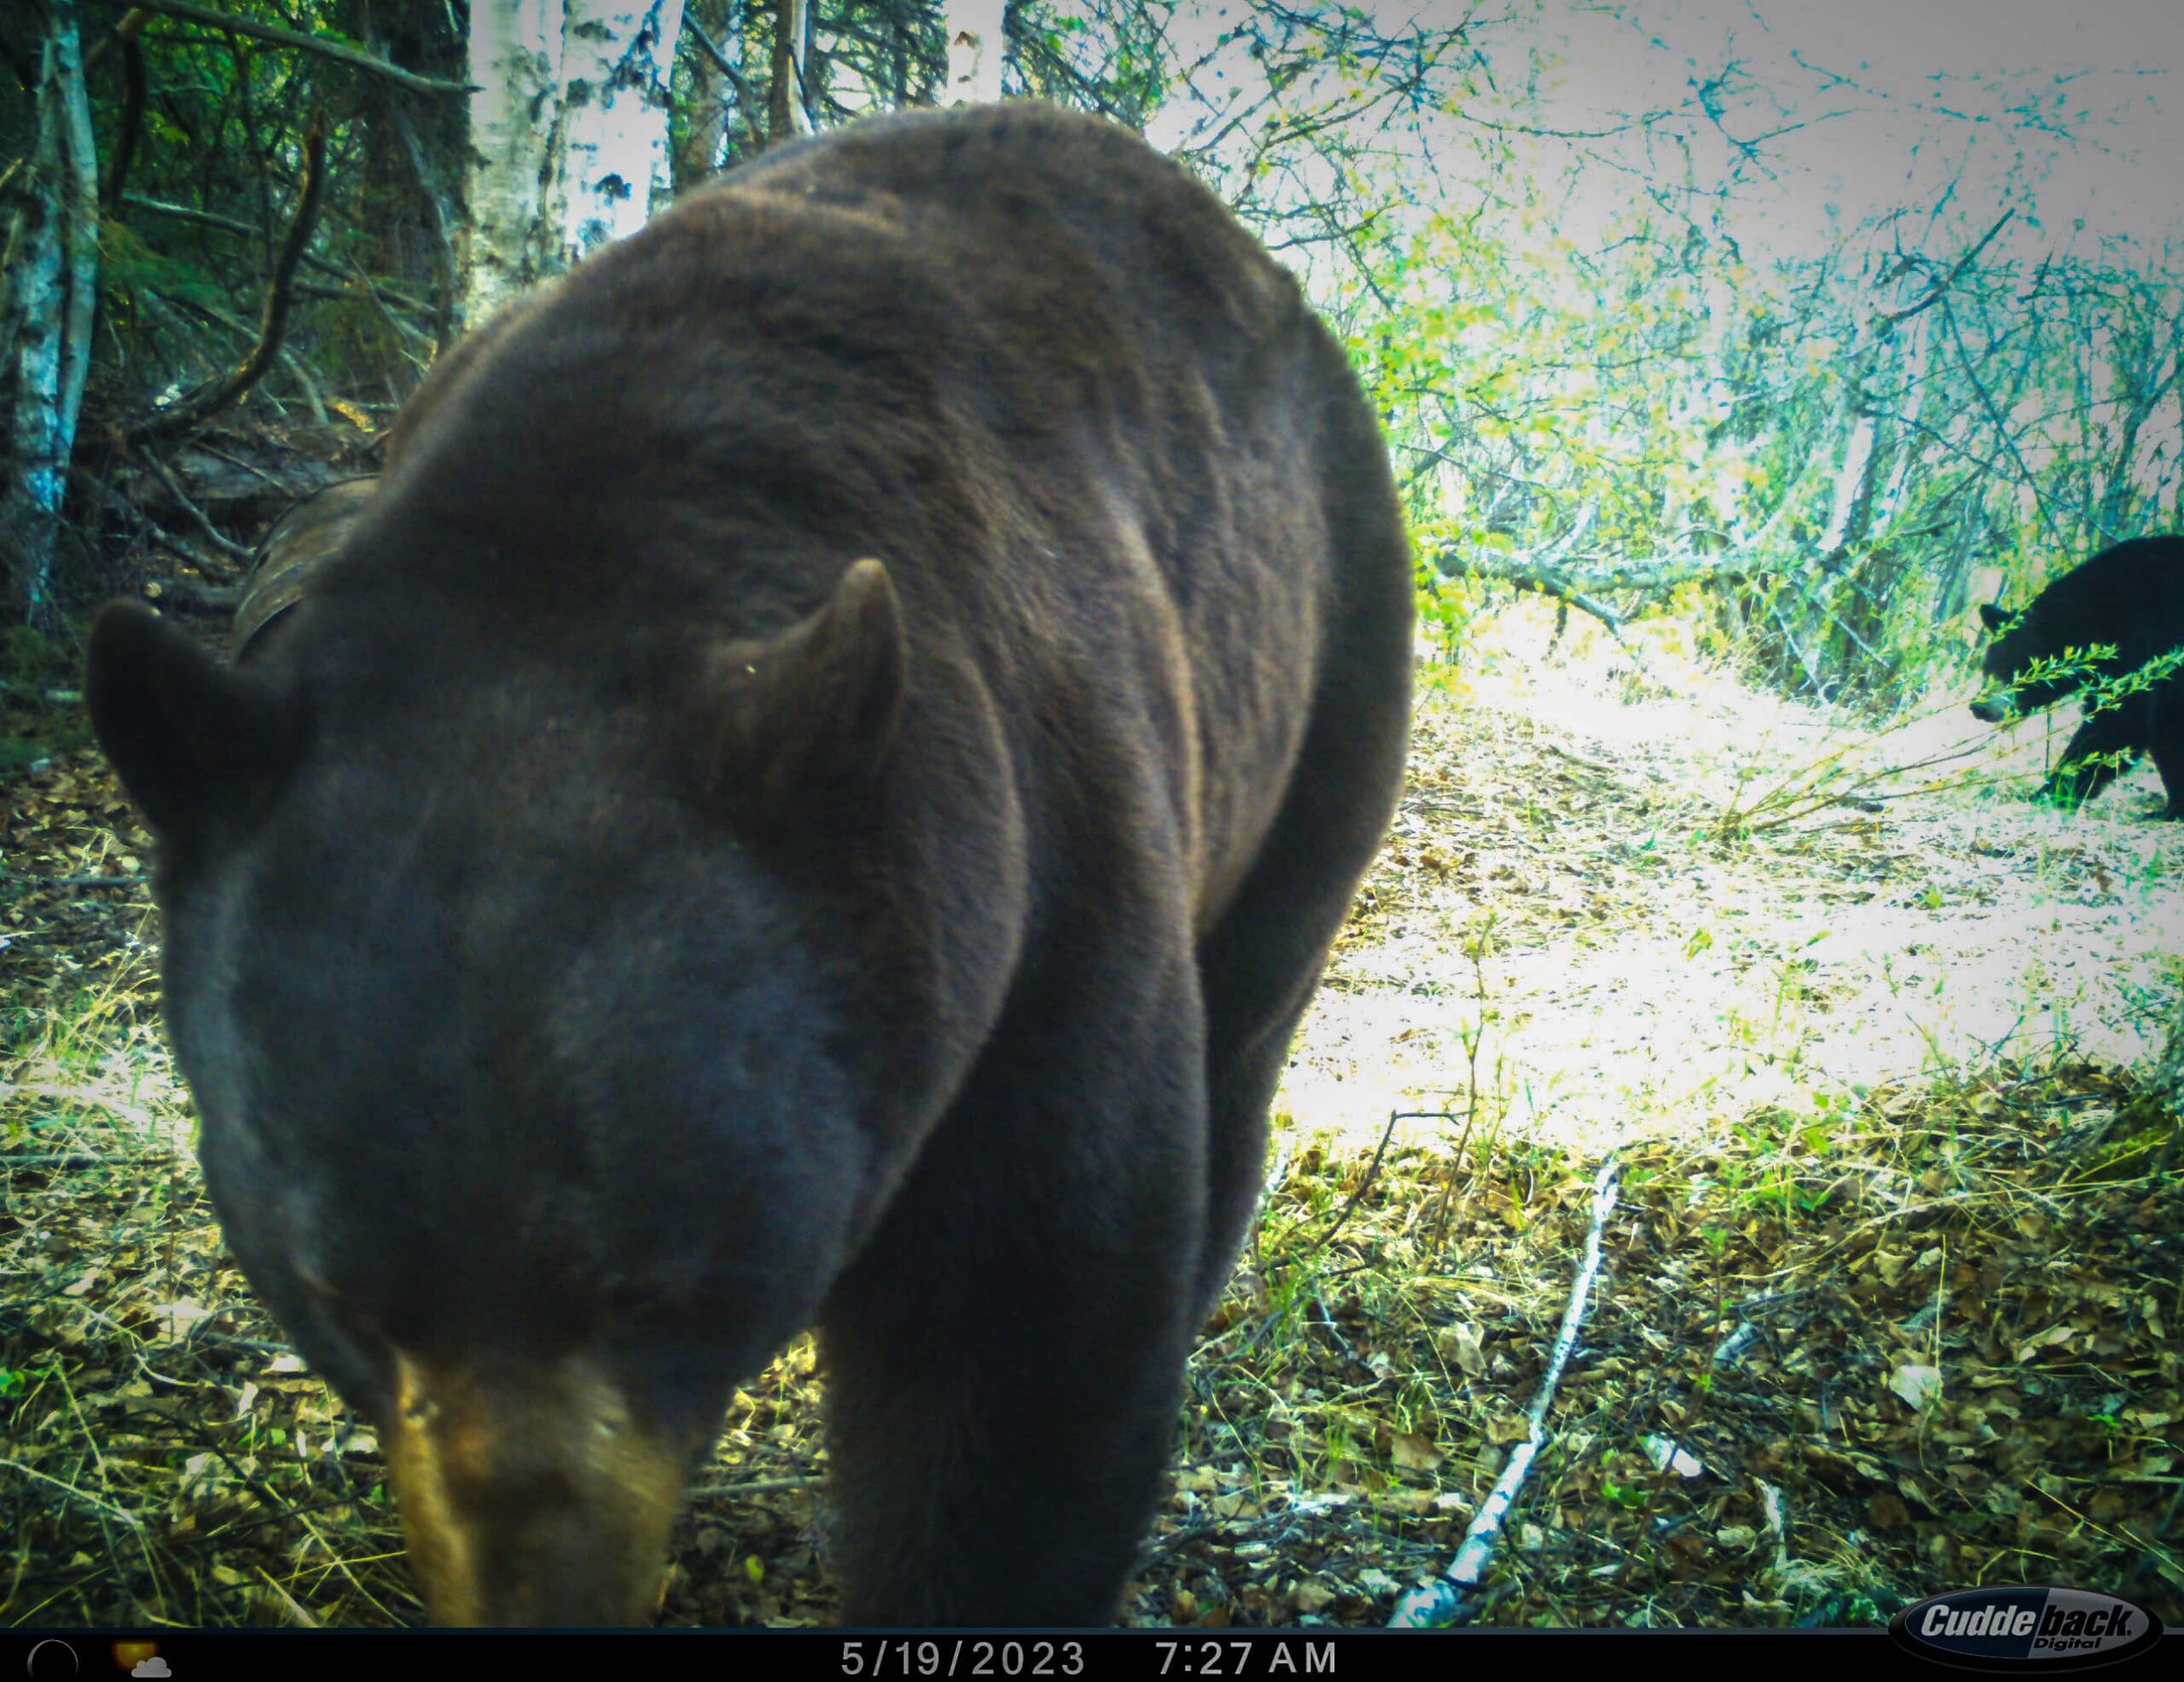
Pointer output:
x,y
2035,1628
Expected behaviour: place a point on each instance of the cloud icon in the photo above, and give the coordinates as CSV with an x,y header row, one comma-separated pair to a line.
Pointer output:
x,y
152,1667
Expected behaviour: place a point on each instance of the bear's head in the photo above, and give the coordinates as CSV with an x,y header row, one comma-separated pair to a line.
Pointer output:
x,y
519,1048
2022,641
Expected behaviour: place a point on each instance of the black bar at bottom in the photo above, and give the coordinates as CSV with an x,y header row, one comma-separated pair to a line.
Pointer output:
x,y
897,1656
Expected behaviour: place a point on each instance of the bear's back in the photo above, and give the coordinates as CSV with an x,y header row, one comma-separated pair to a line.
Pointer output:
x,y
1112,461
2130,594
989,193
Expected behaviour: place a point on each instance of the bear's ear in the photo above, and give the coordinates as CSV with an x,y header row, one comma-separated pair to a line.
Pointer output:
x,y
187,737
1993,615
816,707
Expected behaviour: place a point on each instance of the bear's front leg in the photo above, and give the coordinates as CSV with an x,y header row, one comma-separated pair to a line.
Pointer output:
x,y
2167,707
1005,1360
2111,741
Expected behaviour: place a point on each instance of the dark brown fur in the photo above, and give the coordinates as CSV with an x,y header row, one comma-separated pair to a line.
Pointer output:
x,y
616,931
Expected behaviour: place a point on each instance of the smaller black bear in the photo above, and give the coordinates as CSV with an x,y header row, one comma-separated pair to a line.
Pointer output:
x,y
2129,598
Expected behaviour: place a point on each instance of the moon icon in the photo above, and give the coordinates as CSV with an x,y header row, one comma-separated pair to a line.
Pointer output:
x,y
52,1666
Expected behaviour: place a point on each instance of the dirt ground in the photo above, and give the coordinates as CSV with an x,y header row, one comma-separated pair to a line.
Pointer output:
x,y
1886,1301
1653,969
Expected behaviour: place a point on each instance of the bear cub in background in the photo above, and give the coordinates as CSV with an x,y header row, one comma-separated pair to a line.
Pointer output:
x,y
2131,597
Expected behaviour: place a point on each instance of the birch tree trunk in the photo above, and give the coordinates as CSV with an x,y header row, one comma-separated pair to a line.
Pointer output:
x,y
569,135
618,56
515,65
974,51
52,265
788,110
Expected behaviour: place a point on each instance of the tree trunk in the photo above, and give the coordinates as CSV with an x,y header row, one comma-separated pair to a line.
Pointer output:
x,y
974,51
788,107
515,63
413,149
52,264
618,56
568,134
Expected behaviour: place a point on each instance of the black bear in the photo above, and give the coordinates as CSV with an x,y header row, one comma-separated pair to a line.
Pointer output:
x,y
814,791
2129,598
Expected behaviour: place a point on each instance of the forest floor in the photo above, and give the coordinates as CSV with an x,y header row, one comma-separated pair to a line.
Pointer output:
x,y
1887,1288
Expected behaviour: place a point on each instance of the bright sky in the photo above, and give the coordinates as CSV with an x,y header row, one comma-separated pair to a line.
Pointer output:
x,y
1898,95
1882,104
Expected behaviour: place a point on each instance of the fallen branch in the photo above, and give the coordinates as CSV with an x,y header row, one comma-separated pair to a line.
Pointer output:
x,y
1602,572
197,516
760,1486
1440,1602
143,527
208,401
1565,582
193,597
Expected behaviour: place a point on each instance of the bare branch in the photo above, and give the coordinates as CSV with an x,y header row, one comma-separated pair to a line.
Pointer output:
x,y
1891,318
217,19
210,400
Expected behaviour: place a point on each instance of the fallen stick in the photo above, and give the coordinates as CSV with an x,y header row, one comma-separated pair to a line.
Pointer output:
x,y
1440,1602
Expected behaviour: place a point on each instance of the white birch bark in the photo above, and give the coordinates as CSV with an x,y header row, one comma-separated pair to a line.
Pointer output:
x,y
569,135
52,263
516,68
617,58
974,51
